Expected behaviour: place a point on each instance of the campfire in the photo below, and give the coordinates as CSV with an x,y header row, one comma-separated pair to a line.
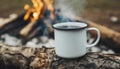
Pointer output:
x,y
38,11
34,27
34,16
36,22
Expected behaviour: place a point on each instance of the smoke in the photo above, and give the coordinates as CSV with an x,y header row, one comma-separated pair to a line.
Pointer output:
x,y
71,8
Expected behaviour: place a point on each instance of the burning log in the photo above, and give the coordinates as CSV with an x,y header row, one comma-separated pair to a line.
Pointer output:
x,y
36,13
33,14
45,58
25,31
34,32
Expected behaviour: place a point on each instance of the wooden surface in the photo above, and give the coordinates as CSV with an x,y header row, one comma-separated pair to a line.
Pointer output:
x,y
45,58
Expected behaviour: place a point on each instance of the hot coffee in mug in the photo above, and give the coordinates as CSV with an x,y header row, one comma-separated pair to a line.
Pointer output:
x,y
71,39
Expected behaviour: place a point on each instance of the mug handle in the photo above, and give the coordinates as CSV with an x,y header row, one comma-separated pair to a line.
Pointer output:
x,y
98,37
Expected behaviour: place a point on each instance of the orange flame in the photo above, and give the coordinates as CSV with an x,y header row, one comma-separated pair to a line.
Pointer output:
x,y
38,9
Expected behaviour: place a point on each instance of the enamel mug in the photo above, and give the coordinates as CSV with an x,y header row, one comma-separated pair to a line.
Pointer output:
x,y
71,39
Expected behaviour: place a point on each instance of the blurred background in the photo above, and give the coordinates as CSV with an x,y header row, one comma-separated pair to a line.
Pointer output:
x,y
31,28
100,11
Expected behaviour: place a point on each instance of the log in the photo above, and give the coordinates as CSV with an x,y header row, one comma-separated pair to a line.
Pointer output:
x,y
33,33
106,32
22,57
109,37
15,23
26,30
6,21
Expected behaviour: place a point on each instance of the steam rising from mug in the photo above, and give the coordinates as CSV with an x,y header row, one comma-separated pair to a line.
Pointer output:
x,y
71,7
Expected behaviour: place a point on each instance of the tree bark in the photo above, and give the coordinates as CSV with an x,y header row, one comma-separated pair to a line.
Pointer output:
x,y
45,58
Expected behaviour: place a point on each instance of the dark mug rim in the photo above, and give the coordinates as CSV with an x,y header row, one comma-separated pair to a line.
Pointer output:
x,y
82,25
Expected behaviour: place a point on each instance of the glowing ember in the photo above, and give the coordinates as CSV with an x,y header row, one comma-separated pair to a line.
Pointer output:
x,y
35,15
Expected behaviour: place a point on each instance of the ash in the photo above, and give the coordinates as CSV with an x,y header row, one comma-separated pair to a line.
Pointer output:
x,y
10,40
44,40
49,43
35,42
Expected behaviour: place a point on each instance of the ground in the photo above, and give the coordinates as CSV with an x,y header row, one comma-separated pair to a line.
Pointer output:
x,y
99,11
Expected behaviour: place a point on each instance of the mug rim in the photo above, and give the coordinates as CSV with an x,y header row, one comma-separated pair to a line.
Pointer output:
x,y
82,25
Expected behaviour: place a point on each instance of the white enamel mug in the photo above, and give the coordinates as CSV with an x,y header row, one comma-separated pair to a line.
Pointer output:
x,y
71,39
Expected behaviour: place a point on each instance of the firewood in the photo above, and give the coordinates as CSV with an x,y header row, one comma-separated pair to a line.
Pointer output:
x,y
15,23
48,23
109,37
32,34
22,57
5,21
106,32
25,31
